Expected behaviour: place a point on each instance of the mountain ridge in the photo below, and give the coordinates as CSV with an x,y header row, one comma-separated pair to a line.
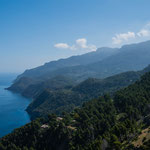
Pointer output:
x,y
132,57
73,61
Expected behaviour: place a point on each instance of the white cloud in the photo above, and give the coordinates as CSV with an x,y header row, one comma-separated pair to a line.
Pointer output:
x,y
80,44
143,33
119,38
61,45
124,37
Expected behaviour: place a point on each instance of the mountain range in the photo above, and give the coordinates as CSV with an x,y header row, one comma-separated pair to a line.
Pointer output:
x,y
66,84
102,63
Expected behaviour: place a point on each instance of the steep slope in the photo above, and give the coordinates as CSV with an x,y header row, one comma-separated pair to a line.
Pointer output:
x,y
20,85
27,89
100,124
66,99
56,83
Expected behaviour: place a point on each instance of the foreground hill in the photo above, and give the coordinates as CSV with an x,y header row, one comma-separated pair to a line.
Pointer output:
x,y
104,123
65,99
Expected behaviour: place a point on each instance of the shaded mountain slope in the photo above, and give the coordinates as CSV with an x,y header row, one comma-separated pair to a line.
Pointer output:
x,y
84,59
27,89
50,101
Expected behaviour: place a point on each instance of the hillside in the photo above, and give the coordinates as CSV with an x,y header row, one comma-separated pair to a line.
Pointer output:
x,y
50,101
24,86
100,124
103,63
56,83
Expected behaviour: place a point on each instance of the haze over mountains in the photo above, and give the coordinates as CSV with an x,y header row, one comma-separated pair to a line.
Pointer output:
x,y
85,59
100,64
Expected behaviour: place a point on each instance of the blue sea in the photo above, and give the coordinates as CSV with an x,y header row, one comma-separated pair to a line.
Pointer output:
x,y
12,107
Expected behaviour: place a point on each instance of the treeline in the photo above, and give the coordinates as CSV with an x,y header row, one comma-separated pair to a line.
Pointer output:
x,y
105,123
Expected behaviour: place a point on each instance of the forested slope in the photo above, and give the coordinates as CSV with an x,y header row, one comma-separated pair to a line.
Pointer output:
x,y
65,99
104,123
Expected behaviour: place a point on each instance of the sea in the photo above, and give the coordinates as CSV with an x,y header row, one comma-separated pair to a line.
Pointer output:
x,y
12,107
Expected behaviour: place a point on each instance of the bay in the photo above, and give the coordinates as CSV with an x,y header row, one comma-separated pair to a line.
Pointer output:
x,y
12,107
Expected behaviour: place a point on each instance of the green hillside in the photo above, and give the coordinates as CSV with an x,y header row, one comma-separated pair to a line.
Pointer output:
x,y
104,123
65,99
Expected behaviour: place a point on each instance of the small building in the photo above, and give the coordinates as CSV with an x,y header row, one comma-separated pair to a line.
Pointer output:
x,y
59,118
44,126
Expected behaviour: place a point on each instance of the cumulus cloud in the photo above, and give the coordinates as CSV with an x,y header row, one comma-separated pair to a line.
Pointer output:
x,y
124,37
143,33
82,43
119,38
61,45
79,44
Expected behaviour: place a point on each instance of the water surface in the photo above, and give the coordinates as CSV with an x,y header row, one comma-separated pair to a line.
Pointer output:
x,y
12,108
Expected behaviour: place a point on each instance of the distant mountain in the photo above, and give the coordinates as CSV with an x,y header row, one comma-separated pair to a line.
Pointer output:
x,y
129,58
103,63
88,58
50,101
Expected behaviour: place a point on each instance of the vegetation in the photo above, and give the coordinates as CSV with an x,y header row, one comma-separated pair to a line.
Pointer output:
x,y
104,123
31,88
66,99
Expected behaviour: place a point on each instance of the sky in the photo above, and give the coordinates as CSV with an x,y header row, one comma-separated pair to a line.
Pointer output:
x,y
33,32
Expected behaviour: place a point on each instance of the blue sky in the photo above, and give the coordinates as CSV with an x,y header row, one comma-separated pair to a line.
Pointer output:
x,y
33,32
